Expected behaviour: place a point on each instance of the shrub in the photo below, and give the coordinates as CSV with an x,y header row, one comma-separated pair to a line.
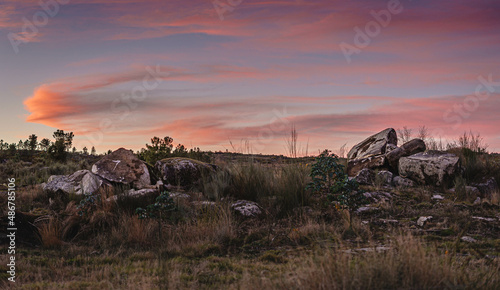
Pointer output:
x,y
158,210
329,177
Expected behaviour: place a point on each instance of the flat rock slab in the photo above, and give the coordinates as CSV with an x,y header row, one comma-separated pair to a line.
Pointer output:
x,y
430,168
374,145
122,166
80,182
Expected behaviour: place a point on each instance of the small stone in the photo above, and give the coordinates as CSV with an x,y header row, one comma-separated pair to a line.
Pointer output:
x,y
246,208
437,197
402,182
422,220
468,239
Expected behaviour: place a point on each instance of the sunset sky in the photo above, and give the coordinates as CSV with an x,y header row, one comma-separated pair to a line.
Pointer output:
x,y
118,72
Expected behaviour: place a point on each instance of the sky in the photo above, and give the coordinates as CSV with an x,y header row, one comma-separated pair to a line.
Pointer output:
x,y
223,74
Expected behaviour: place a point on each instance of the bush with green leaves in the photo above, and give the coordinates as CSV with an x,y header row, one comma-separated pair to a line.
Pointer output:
x,y
329,178
88,204
158,210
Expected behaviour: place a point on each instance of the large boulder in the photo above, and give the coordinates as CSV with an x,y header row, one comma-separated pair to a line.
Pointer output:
x,y
374,145
183,171
123,167
430,168
80,182
409,148
372,162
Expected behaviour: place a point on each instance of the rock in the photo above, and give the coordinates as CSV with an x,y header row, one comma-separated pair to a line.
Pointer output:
x,y
374,145
183,171
437,197
477,201
431,168
488,187
80,182
367,250
409,148
122,166
246,208
399,181
384,178
135,194
179,195
469,190
422,220
377,196
365,176
373,162
468,239
367,209
490,220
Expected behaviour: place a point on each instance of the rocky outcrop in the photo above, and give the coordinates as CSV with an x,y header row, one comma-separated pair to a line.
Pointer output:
x,y
80,182
409,148
431,168
374,145
183,171
123,167
373,162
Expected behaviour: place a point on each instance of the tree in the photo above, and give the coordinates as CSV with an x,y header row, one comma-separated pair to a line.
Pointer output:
x,y
12,148
33,142
85,150
159,149
93,151
45,144
73,150
67,138
57,150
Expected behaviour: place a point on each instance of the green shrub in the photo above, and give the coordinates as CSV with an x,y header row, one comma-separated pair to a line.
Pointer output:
x,y
329,177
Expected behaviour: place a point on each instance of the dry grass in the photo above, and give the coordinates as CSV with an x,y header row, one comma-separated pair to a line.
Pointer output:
x,y
50,231
407,263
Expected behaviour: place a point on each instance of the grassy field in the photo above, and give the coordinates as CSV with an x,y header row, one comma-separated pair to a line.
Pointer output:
x,y
300,241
